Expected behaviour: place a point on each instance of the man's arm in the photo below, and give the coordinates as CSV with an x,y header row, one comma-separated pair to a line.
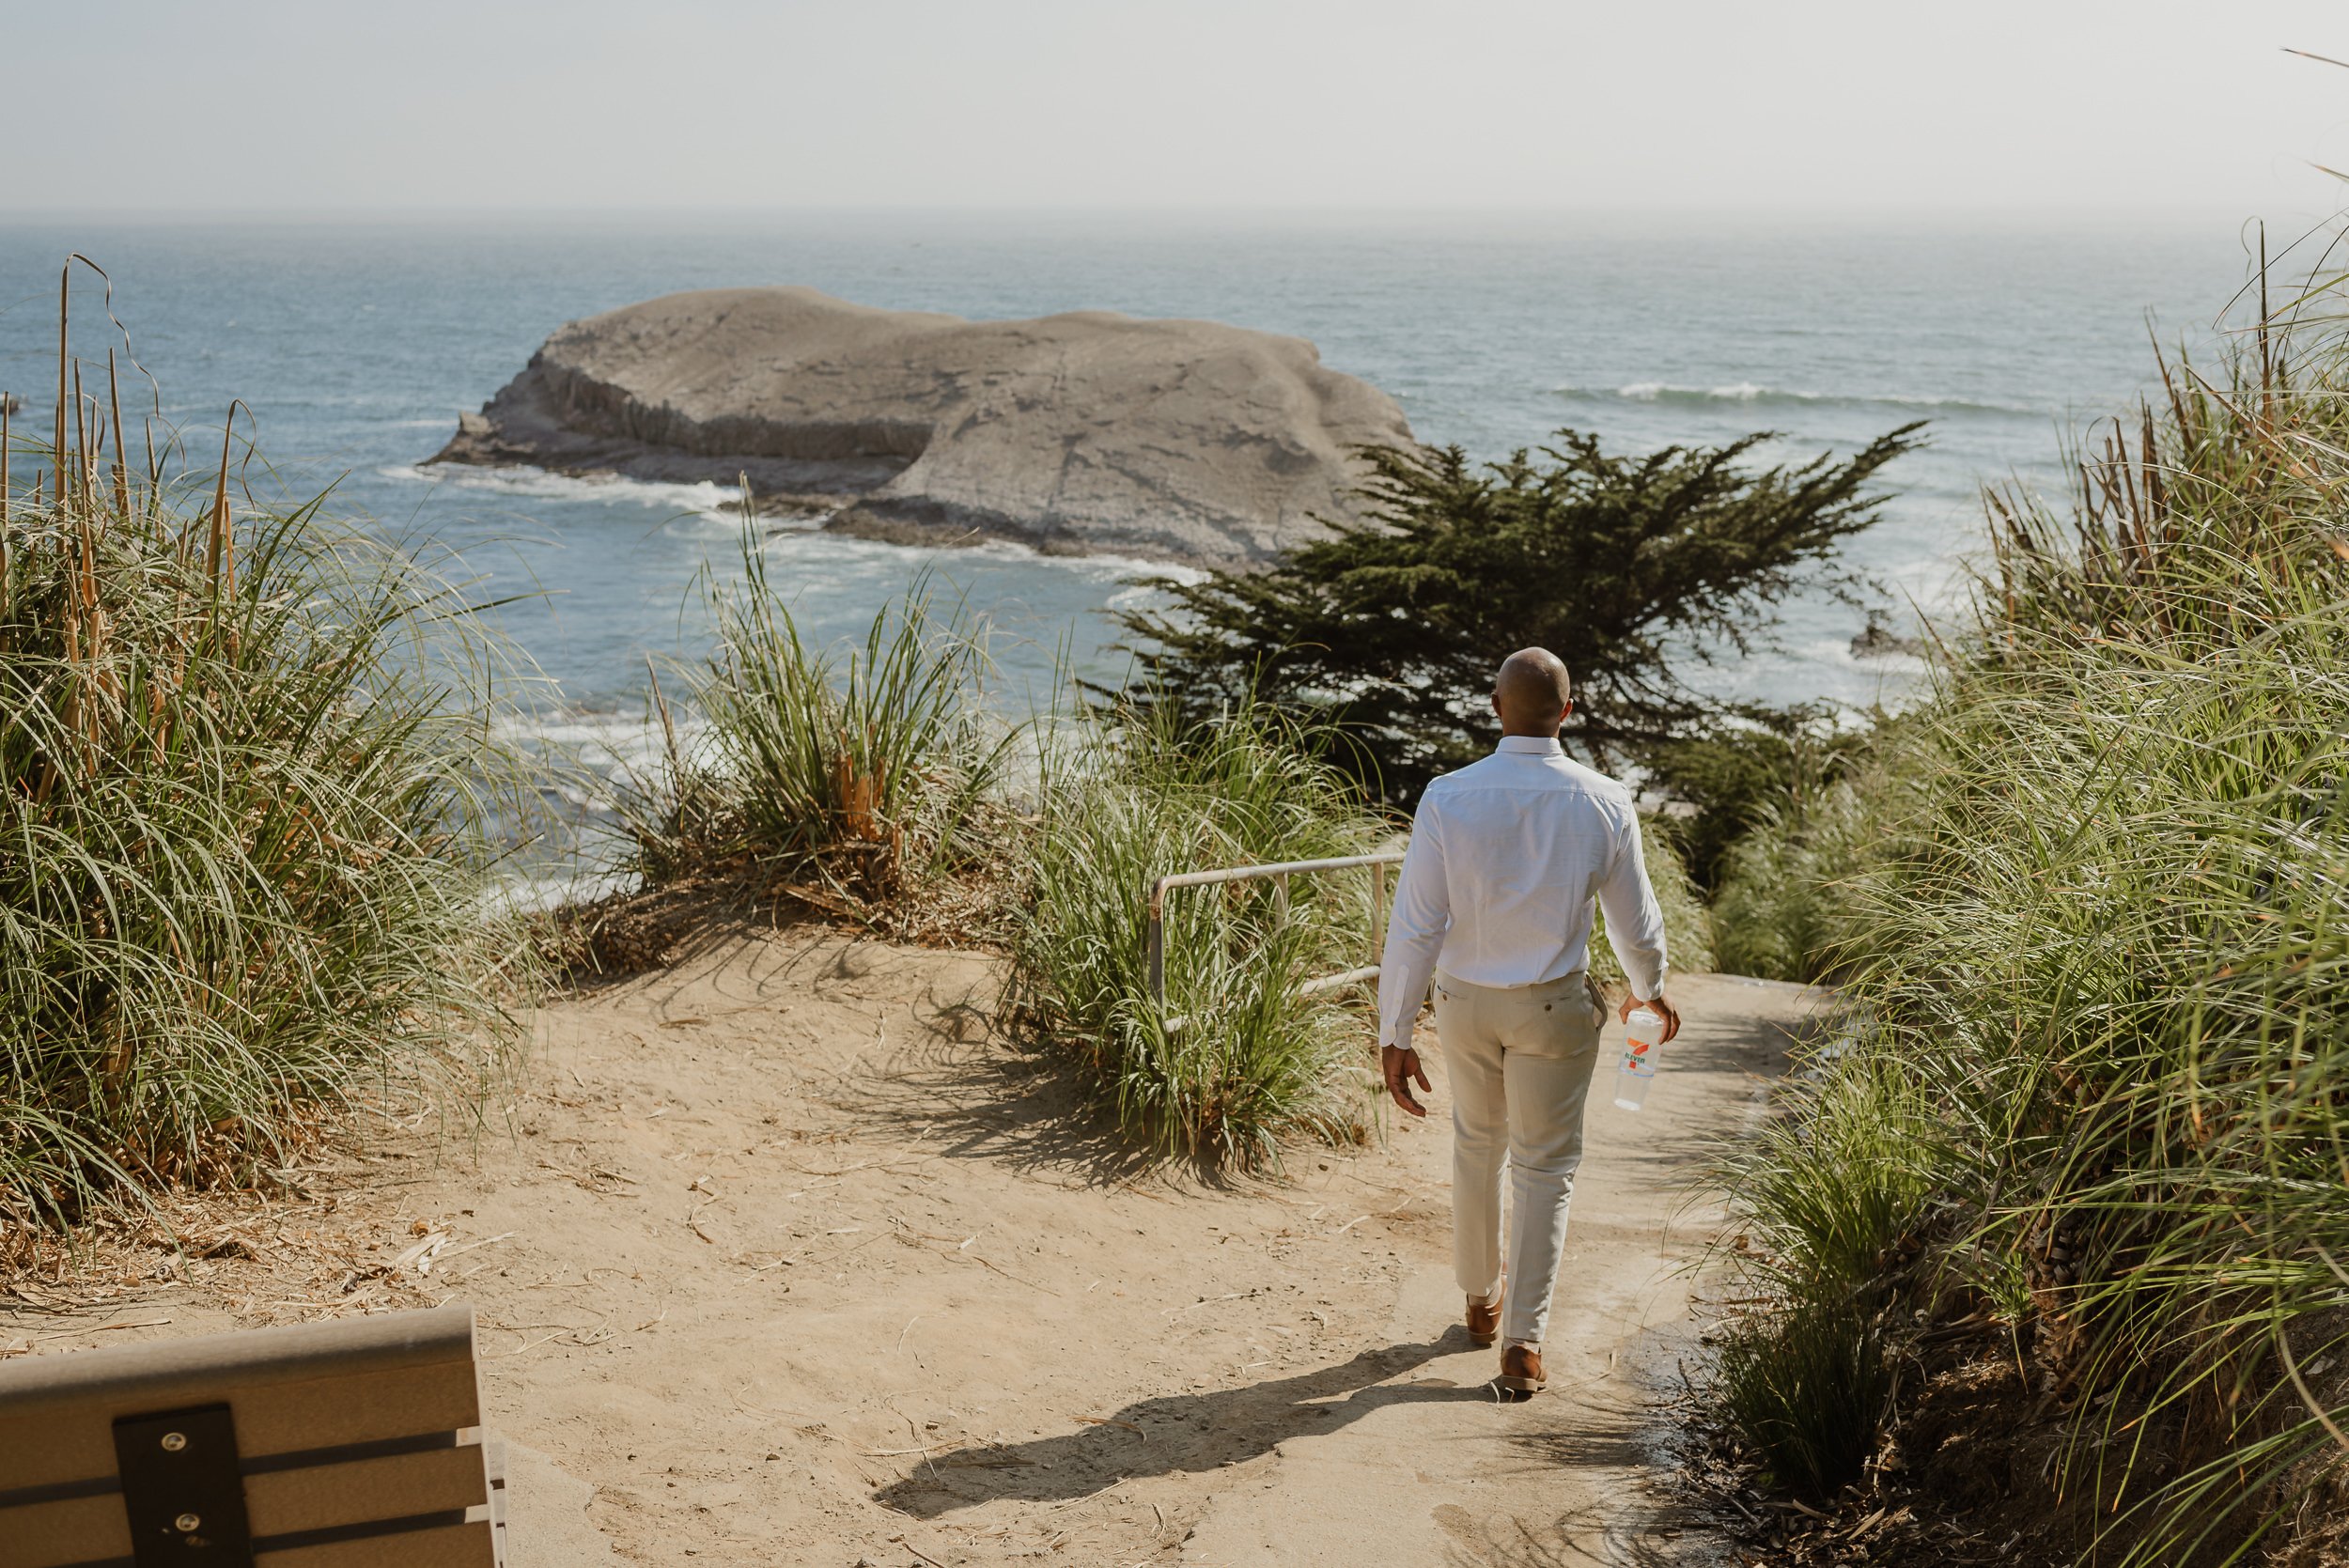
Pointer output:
x,y
1415,932
1635,926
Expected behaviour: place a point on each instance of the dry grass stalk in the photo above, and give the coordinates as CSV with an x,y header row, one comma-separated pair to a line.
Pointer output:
x,y
65,299
123,451
217,564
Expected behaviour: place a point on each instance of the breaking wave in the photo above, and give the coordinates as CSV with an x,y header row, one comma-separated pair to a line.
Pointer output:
x,y
1748,394
705,498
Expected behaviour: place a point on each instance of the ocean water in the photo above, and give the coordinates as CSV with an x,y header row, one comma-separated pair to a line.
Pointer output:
x,y
357,342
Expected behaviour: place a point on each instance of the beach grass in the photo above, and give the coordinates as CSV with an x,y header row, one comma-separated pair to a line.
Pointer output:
x,y
2089,906
1235,1059
245,777
864,769
1808,1386
861,776
1775,915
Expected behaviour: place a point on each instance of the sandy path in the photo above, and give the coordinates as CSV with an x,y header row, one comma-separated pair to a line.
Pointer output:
x,y
791,1263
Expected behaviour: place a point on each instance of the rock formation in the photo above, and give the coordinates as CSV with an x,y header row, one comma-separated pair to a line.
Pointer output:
x,y
1078,433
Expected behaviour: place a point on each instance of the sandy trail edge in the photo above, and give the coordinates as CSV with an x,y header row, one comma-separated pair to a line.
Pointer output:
x,y
789,1262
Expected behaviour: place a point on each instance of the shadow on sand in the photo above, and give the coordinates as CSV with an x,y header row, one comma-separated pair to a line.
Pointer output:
x,y
983,1098
1177,1432
1627,1528
1575,1543
988,1092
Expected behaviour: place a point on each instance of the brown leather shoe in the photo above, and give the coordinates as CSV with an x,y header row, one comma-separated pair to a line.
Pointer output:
x,y
1521,1371
1484,1320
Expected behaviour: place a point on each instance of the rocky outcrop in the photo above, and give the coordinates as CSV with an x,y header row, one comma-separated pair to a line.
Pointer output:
x,y
1077,433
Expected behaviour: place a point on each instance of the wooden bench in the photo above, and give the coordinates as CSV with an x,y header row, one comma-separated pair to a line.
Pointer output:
x,y
352,1444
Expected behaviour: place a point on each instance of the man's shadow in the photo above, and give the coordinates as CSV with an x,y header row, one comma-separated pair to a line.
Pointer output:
x,y
1177,1432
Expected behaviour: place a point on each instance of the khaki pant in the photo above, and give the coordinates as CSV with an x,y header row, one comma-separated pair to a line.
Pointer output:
x,y
1519,1060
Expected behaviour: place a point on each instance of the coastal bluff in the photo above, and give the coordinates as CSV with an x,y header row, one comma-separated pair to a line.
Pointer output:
x,y
1079,434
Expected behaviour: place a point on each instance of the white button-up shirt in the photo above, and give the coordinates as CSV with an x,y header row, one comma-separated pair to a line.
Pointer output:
x,y
1506,856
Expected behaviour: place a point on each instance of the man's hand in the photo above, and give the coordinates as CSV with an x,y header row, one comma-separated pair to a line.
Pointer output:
x,y
1670,1014
1400,1065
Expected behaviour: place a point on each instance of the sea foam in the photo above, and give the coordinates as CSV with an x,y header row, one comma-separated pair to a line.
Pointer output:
x,y
704,499
1754,394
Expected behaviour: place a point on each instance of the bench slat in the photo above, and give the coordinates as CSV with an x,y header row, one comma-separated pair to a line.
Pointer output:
x,y
465,1545
181,1370
84,1529
408,1483
59,1443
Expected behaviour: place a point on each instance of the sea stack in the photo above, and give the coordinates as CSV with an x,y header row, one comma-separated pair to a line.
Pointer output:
x,y
1082,433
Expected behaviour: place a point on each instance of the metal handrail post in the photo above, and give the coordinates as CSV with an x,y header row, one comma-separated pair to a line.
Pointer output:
x,y
1158,943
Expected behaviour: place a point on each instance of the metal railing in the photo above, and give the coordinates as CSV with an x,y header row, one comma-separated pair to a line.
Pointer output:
x,y
1282,871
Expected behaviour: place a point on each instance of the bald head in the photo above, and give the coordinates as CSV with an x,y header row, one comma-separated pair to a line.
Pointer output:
x,y
1532,694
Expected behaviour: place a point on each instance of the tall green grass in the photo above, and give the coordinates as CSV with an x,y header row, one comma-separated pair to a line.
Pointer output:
x,y
242,857
867,766
1775,913
1836,1190
1235,1059
2090,903
875,767
1807,1385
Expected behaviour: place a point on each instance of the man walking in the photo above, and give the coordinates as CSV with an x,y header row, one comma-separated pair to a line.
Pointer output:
x,y
1494,904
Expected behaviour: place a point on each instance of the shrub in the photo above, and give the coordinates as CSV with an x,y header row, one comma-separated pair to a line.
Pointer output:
x,y
1836,1189
1775,914
243,847
1236,1058
1729,779
1808,1387
866,768
1835,1195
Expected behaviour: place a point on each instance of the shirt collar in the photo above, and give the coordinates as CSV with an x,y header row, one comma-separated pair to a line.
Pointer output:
x,y
1529,745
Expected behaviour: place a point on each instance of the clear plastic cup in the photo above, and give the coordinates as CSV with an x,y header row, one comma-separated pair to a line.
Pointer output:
x,y
1642,1046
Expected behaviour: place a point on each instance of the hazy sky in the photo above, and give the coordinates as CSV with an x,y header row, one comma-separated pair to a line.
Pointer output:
x,y
2187,104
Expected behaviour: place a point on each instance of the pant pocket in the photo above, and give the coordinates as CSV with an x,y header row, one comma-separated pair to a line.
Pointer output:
x,y
1552,1020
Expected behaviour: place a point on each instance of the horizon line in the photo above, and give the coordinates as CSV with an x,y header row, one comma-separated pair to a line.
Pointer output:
x,y
1694,211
